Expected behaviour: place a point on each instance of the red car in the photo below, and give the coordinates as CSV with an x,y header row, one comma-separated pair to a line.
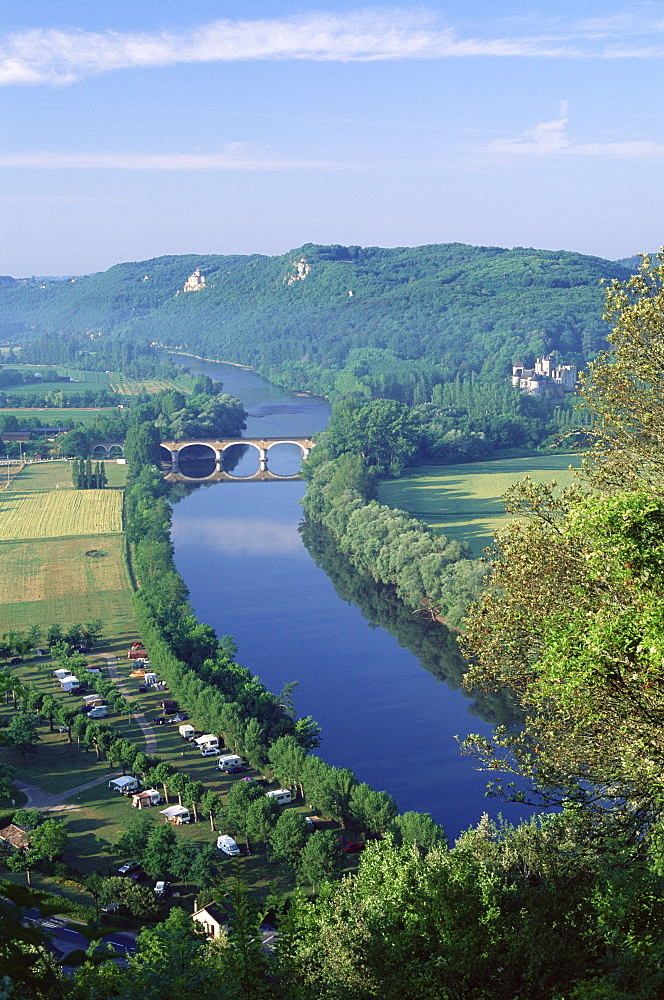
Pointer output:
x,y
351,846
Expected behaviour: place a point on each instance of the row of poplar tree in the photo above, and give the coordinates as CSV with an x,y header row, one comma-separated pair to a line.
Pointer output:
x,y
84,478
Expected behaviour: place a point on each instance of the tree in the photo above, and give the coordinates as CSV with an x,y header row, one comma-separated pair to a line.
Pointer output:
x,y
624,388
21,733
138,899
212,805
416,829
7,774
260,817
157,855
193,795
288,838
288,760
133,841
142,446
321,858
48,840
328,789
372,810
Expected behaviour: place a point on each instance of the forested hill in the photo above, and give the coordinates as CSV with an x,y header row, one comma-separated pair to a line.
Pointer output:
x,y
461,307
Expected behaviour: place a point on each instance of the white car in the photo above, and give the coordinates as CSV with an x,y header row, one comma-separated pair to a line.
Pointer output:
x,y
228,846
100,712
209,751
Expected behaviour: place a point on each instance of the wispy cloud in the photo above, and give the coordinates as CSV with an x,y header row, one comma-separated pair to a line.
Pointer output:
x,y
550,139
236,156
61,57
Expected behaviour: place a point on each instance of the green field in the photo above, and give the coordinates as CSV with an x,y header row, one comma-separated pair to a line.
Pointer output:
x,y
58,416
44,580
465,502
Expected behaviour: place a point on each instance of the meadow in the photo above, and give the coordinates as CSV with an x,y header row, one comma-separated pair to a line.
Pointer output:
x,y
464,502
58,514
58,416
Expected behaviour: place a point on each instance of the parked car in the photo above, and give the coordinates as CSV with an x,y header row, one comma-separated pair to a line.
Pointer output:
x,y
209,751
82,649
162,889
142,688
16,659
138,875
235,769
351,846
310,823
128,867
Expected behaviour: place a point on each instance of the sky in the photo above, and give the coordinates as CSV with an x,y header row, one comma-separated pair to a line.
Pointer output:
x,y
137,128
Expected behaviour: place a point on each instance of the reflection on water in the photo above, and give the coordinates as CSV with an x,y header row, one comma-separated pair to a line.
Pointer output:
x,y
237,536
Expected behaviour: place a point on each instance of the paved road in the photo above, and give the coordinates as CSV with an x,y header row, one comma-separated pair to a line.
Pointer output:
x,y
148,731
47,801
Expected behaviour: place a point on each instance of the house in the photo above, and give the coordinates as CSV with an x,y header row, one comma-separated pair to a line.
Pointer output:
x,y
176,814
213,918
16,836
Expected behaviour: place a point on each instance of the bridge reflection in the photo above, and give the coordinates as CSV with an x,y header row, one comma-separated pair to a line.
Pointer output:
x,y
180,458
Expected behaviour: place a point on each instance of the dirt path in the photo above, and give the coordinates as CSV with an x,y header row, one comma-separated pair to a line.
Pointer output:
x,y
37,798
50,802
114,674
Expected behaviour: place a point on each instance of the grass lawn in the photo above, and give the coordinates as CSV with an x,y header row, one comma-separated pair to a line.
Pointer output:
x,y
58,417
42,477
464,502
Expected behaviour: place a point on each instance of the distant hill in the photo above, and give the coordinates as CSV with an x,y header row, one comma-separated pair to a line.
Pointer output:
x,y
464,308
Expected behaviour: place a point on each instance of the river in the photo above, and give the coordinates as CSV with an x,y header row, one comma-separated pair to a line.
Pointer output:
x,y
370,674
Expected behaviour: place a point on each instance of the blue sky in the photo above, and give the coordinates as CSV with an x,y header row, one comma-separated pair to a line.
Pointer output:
x,y
135,129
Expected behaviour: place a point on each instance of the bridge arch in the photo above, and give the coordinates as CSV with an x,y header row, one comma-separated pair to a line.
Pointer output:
x,y
173,452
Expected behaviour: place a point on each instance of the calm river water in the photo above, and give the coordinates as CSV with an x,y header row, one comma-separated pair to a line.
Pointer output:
x,y
384,711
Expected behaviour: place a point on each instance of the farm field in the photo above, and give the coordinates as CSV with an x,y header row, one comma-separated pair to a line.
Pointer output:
x,y
54,581
50,579
59,513
133,387
464,502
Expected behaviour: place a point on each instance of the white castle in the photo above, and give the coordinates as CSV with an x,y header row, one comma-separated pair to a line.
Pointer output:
x,y
545,379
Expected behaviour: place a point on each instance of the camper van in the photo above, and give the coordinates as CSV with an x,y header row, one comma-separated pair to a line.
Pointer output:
x,y
282,795
186,731
127,784
229,760
150,797
209,740
228,846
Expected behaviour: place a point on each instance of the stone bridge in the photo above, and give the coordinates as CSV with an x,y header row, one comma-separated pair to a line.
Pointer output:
x,y
171,452
107,449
